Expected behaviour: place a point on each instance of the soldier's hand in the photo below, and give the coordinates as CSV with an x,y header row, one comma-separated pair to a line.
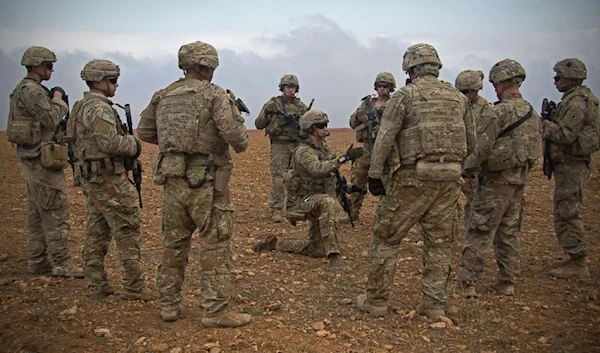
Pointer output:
x,y
376,187
354,153
362,117
57,92
138,143
357,188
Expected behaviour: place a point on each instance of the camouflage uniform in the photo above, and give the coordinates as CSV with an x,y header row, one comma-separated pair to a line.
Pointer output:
x,y
284,139
48,204
431,126
194,122
574,135
503,159
469,80
359,172
101,148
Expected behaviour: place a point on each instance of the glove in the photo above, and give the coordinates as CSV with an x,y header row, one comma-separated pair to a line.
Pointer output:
x,y
376,187
58,89
138,143
352,154
357,188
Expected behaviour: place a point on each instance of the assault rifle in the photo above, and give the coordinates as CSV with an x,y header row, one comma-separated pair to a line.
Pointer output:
x,y
372,119
134,164
62,126
239,103
547,108
293,119
341,191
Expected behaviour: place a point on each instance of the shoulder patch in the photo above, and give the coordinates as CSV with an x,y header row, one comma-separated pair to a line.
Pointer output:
x,y
105,124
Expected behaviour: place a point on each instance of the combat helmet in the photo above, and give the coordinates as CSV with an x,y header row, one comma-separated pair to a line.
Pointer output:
x,y
505,70
312,117
469,80
99,69
198,54
420,54
289,79
571,68
386,77
35,56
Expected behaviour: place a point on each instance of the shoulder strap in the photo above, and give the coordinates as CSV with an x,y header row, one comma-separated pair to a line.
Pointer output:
x,y
517,123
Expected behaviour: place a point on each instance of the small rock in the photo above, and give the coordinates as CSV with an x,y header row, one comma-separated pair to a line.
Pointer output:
x,y
347,301
251,274
21,284
140,340
70,311
462,347
543,340
321,333
3,257
102,332
210,345
327,322
388,347
176,350
426,339
447,320
319,326
160,347
411,314
438,325
214,350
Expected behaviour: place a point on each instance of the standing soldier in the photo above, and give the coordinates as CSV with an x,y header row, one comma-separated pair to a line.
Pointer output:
x,y
104,153
359,173
430,124
574,136
194,122
279,118
507,149
33,121
311,183
469,82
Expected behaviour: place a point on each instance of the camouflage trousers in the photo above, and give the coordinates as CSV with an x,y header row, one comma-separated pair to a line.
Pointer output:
x,y
47,215
112,212
281,155
359,175
570,180
322,211
409,201
496,216
469,200
184,211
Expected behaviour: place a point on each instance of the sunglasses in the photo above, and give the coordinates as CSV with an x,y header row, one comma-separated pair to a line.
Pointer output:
x,y
112,80
320,125
48,65
557,78
383,86
465,91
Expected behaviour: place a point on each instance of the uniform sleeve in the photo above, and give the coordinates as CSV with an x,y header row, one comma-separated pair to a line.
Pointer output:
x,y
310,162
146,129
489,129
389,127
102,122
470,128
229,122
47,111
567,129
355,117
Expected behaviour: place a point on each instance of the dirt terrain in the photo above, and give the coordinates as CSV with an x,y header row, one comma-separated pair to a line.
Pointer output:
x,y
299,305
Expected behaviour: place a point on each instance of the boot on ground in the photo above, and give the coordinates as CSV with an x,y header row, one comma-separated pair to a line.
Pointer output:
x,y
228,319
574,269
362,302
67,269
267,244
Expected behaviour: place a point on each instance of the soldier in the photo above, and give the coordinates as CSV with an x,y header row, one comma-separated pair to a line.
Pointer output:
x,y
384,85
574,136
430,124
33,121
194,122
507,148
311,193
469,82
104,153
279,118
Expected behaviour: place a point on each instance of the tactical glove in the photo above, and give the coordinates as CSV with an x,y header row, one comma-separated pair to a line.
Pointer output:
x,y
376,187
59,89
352,154
357,188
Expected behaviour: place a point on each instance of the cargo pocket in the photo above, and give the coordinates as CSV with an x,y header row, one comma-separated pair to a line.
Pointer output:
x,y
50,198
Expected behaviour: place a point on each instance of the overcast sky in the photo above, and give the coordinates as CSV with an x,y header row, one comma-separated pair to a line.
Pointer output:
x,y
336,48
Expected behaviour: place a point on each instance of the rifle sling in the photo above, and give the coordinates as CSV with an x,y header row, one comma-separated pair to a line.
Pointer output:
x,y
517,123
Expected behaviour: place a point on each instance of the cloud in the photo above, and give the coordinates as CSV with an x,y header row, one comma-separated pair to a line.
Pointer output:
x,y
333,65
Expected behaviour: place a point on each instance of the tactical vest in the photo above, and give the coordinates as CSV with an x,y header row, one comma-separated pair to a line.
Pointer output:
x,y
279,128
300,183
434,128
588,140
83,142
22,128
184,121
361,135
521,146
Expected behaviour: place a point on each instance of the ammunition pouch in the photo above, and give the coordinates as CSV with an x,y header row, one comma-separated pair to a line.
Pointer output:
x,y
94,170
587,143
438,171
24,131
54,156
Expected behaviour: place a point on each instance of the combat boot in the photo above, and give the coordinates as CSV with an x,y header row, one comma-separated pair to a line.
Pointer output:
x,y
362,302
142,295
40,269
68,269
170,314
228,319
267,244
99,293
468,290
504,288
277,217
335,261
573,269
431,314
